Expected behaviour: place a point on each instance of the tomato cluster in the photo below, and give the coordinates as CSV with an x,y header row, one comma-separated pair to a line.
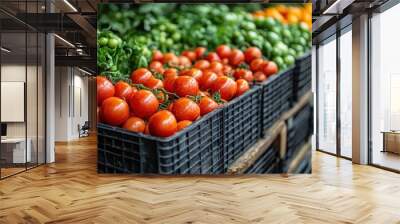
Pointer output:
x,y
175,91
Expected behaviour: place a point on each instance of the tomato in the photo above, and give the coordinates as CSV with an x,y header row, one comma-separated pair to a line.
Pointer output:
x,y
114,111
183,124
146,129
257,64
143,104
170,59
225,61
225,86
105,89
200,51
242,86
194,72
98,115
204,93
259,76
190,54
169,84
162,124
185,109
223,51
157,56
243,74
156,66
123,90
216,66
170,72
184,61
170,106
207,80
270,69
202,64
207,105
236,57
227,70
252,53
135,124
212,56
186,86
140,76
154,83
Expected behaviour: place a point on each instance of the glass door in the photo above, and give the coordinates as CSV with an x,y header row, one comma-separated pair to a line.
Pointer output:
x,y
346,92
326,91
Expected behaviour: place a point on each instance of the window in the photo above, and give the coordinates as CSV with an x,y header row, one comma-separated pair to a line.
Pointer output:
x,y
327,96
385,87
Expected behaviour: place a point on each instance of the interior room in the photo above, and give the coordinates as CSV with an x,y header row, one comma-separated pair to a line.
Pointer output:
x,y
49,116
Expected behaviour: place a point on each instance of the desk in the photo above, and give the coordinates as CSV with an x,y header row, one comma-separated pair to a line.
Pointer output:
x,y
391,141
16,147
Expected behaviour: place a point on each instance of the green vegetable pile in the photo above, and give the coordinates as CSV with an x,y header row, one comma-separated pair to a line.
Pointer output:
x,y
128,33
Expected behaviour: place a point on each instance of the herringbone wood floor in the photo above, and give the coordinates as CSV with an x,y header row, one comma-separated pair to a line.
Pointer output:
x,y
70,191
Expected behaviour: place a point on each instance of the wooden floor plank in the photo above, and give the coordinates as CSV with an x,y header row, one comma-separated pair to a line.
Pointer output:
x,y
70,191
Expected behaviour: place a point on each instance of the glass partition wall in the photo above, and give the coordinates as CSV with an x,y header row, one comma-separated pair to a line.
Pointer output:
x,y
385,90
22,77
334,94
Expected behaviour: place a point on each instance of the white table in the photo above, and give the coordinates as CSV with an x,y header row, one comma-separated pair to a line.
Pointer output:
x,y
18,144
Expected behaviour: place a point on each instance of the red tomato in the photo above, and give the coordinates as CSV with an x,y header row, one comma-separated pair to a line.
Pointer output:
x,y
105,89
143,104
194,72
227,70
156,66
186,86
224,51
257,64
200,51
259,76
252,53
123,90
204,93
207,105
184,61
140,76
170,72
135,124
170,106
202,64
270,69
157,56
146,129
236,57
169,84
185,109
162,124
242,86
170,59
207,80
225,86
114,111
216,66
190,54
154,83
225,61
212,56
243,74
98,115
183,124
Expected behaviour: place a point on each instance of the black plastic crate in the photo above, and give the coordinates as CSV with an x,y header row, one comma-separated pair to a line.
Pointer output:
x,y
267,163
241,126
302,77
277,96
197,149
300,129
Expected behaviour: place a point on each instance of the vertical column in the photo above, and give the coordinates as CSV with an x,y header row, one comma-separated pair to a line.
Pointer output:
x,y
360,90
50,92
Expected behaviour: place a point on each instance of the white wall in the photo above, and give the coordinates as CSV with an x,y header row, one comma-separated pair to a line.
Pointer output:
x,y
71,94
